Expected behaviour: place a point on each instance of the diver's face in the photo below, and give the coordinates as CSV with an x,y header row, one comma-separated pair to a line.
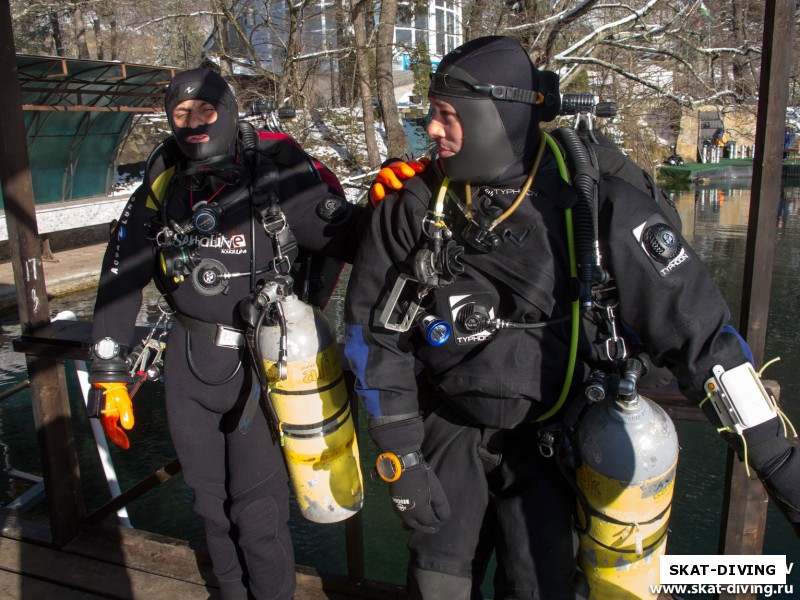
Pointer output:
x,y
191,114
445,128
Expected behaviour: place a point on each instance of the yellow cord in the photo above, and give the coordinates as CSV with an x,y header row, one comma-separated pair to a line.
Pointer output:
x,y
787,424
764,368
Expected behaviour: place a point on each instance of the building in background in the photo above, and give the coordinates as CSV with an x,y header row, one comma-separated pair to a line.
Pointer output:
x,y
266,27
439,28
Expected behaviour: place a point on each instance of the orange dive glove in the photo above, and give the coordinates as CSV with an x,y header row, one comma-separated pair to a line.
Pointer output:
x,y
390,178
117,411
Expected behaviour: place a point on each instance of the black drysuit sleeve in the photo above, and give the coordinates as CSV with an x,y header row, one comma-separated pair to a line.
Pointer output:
x,y
128,266
382,360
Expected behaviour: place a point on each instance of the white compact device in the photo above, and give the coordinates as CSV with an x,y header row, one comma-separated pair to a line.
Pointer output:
x,y
739,398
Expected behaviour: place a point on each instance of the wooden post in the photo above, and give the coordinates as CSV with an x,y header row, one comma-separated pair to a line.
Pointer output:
x,y
48,384
354,526
745,501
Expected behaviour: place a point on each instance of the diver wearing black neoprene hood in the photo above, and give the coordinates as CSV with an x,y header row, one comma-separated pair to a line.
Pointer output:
x,y
207,85
452,407
207,226
500,97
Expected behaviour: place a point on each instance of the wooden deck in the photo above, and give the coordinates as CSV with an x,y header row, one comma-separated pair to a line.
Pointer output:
x,y
108,561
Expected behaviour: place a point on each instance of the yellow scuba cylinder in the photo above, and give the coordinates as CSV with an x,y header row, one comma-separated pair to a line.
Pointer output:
x,y
309,398
628,455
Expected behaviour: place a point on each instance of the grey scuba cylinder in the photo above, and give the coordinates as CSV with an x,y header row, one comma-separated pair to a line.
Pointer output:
x,y
307,392
628,457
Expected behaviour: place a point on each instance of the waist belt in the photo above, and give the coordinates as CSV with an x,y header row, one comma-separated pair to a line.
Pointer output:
x,y
222,335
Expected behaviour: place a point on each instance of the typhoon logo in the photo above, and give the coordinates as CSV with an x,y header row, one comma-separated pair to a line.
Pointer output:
x,y
661,244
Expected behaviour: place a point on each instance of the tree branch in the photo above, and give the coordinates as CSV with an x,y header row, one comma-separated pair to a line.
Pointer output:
x,y
199,13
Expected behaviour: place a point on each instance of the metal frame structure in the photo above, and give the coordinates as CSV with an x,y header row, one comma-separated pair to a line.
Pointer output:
x,y
77,114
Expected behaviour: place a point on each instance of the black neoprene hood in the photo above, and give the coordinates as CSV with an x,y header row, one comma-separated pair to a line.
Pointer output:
x,y
499,96
207,85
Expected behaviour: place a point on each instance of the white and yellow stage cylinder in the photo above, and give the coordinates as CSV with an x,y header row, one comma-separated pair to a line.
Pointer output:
x,y
313,410
628,456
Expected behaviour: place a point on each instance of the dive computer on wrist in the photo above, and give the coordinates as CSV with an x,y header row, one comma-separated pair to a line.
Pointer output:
x,y
390,466
106,349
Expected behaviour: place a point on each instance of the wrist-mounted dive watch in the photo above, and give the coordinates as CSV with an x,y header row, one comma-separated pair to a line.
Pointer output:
x,y
390,466
106,349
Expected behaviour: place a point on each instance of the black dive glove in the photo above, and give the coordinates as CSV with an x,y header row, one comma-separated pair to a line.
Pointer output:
x,y
777,462
419,500
417,495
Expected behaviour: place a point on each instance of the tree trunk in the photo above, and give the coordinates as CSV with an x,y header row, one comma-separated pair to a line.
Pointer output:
x,y
113,39
80,32
364,88
107,39
739,69
289,84
473,24
55,27
343,92
221,25
395,135
101,55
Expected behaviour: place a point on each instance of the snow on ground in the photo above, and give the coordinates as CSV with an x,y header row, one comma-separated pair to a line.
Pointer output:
x,y
126,183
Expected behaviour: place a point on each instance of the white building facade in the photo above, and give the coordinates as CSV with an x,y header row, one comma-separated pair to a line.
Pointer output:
x,y
437,24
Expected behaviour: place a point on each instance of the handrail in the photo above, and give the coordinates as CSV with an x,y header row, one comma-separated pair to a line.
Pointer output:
x,y
135,491
14,389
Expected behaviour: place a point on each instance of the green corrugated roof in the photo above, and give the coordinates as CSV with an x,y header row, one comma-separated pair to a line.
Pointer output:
x,y
77,114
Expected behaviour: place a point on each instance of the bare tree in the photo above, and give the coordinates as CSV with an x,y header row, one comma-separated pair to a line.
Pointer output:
x,y
643,40
397,144
364,87
79,31
655,57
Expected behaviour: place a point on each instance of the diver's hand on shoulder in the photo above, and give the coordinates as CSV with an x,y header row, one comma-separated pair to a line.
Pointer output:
x,y
391,177
419,500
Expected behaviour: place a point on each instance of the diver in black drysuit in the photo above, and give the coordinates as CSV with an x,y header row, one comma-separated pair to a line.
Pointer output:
x,y
472,408
239,479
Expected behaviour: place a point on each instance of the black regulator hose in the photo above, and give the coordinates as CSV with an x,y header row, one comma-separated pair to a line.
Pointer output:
x,y
583,165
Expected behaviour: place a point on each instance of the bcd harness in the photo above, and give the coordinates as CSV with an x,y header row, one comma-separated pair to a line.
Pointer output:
x,y
209,277
177,257
438,262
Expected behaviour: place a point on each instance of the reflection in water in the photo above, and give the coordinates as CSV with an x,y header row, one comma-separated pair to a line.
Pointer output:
x,y
714,222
